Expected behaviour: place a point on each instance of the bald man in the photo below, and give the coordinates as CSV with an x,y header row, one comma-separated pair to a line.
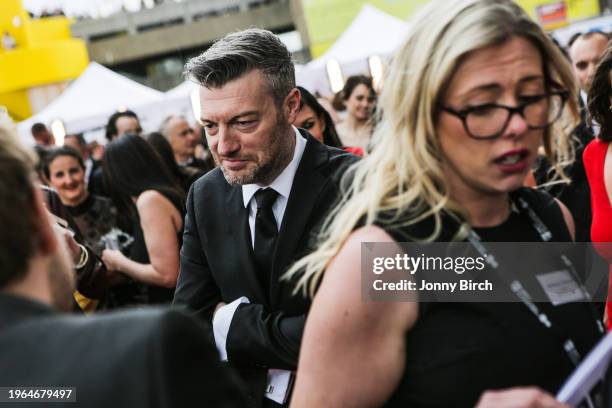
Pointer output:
x,y
585,52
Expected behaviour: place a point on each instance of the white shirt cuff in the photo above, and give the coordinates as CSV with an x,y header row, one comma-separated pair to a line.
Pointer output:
x,y
278,385
221,325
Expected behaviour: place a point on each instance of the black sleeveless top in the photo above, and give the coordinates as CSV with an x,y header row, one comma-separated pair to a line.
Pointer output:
x,y
138,293
456,351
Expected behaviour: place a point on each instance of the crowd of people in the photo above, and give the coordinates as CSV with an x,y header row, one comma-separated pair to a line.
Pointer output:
x,y
246,232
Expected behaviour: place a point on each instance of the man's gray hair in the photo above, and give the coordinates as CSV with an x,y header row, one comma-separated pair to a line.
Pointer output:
x,y
163,127
238,53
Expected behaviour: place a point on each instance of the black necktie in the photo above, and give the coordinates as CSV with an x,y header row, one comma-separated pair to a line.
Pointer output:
x,y
266,232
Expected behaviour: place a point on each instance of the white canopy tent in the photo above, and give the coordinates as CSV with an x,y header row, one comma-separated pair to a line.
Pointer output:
x,y
372,32
88,102
177,101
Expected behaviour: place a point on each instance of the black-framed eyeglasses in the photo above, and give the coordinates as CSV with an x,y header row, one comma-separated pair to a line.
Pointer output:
x,y
489,121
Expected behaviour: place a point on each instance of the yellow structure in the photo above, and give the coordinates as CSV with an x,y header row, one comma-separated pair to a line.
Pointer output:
x,y
45,54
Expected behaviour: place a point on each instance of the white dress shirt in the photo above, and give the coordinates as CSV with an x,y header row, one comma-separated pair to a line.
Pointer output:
x,y
278,380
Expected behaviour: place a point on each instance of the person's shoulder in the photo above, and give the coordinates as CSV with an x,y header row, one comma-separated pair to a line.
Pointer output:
x,y
594,147
214,179
338,160
553,212
535,197
166,351
132,329
151,199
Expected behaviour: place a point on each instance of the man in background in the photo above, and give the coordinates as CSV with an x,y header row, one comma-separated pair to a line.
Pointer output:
x,y
183,140
42,136
585,50
120,123
80,145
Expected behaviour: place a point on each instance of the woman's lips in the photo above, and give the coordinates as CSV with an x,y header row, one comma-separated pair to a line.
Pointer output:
x,y
514,161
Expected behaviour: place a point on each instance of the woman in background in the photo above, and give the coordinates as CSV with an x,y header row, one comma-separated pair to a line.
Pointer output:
x,y
316,120
359,98
141,185
597,160
313,117
94,215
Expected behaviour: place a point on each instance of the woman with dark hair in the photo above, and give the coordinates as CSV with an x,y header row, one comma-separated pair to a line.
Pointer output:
x,y
183,175
142,186
316,119
93,215
597,160
359,96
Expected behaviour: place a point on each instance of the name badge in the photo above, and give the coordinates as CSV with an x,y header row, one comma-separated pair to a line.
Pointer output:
x,y
560,287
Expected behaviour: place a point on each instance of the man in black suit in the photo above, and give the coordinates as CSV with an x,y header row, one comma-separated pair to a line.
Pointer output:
x,y
255,214
144,358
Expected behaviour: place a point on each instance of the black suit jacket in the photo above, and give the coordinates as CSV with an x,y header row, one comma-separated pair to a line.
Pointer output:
x,y
142,358
217,262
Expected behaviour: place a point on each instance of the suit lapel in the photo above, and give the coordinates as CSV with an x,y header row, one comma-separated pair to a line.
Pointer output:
x,y
307,185
239,236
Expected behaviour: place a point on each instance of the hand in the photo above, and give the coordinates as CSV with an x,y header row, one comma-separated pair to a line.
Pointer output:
x,y
112,259
527,397
72,245
219,306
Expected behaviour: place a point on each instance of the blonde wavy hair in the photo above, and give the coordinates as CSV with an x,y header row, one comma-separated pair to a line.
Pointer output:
x,y
401,182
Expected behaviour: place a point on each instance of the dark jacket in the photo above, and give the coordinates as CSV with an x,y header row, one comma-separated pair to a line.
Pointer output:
x,y
142,358
217,262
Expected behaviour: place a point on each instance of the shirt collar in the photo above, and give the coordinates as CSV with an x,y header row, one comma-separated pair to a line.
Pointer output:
x,y
282,184
584,97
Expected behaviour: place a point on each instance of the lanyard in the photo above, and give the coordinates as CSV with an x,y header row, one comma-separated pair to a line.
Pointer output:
x,y
517,287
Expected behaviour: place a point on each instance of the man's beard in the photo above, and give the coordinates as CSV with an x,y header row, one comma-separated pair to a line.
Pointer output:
x,y
276,158
61,279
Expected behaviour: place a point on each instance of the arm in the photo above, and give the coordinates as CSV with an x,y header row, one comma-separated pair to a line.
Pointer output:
x,y
257,337
196,289
158,220
343,332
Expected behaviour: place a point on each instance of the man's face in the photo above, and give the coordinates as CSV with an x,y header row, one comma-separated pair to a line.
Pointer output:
x,y
250,137
585,54
182,138
127,124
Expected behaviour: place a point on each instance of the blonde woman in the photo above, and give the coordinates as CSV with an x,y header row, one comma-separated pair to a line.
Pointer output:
x,y
472,93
